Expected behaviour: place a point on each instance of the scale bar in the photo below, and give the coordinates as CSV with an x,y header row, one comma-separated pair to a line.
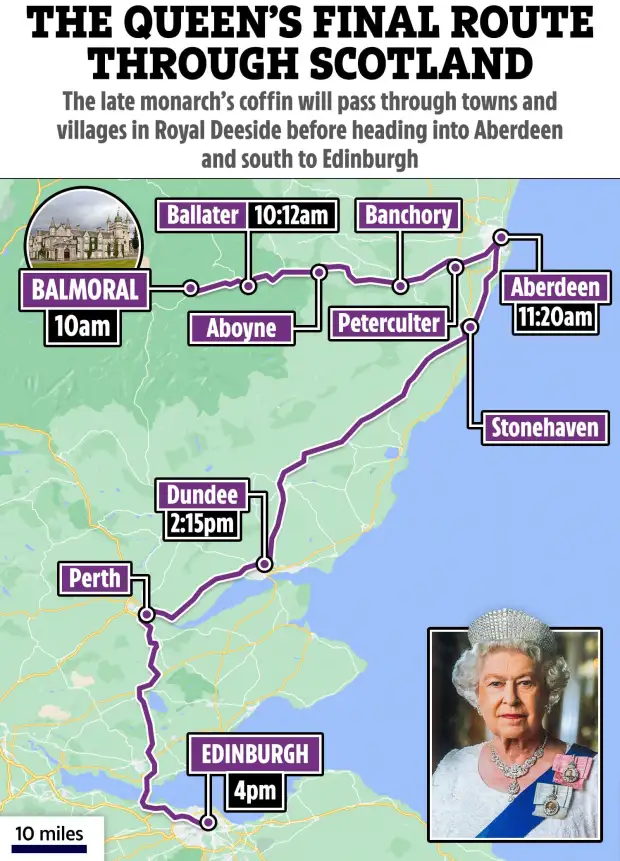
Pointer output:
x,y
48,849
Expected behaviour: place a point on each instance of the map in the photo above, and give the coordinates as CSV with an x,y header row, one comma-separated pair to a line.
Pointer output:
x,y
372,510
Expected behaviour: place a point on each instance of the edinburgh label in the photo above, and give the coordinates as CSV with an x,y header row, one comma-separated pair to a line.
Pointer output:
x,y
254,753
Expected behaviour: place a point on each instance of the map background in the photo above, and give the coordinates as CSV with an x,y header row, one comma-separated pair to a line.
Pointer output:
x,y
474,528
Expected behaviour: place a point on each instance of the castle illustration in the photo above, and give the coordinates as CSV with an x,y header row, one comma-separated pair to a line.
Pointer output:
x,y
62,243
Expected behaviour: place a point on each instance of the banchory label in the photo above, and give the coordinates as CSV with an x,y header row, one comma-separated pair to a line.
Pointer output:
x,y
234,753
545,428
197,215
555,287
387,324
238,329
114,289
195,494
415,215
94,578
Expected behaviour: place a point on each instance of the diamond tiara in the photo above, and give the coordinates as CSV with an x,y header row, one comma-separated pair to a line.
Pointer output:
x,y
509,625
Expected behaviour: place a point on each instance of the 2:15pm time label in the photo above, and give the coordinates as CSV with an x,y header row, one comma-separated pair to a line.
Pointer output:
x,y
58,837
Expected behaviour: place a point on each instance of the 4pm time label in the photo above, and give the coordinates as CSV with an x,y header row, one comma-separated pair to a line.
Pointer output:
x,y
60,837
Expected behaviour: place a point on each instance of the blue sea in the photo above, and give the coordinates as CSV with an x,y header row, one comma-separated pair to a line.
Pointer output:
x,y
476,528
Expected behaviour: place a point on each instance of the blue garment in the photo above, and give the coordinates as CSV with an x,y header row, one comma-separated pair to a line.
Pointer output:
x,y
517,819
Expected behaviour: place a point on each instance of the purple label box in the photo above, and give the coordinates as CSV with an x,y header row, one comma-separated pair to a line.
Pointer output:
x,y
195,494
573,286
114,289
545,428
228,328
195,215
94,578
414,215
368,323
233,753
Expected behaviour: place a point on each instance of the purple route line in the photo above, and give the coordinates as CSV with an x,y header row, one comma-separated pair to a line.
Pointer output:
x,y
346,270
494,251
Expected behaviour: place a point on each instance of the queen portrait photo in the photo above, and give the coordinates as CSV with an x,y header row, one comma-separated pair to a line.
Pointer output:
x,y
514,733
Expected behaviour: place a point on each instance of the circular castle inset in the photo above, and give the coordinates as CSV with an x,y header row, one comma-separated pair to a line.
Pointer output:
x,y
83,228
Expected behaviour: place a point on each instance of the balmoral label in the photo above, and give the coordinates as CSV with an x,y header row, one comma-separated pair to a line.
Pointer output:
x,y
555,287
115,289
368,323
416,215
545,428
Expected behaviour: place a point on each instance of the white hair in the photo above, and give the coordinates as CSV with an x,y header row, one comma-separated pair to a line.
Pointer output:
x,y
553,668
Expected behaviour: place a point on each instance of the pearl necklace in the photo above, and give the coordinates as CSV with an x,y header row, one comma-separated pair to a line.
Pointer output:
x,y
515,770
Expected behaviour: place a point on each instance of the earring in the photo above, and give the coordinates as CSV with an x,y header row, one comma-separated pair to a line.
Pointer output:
x,y
479,710
548,708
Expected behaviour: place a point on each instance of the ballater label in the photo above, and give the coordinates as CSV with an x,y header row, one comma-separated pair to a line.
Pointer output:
x,y
196,494
252,753
369,323
573,286
545,428
234,329
414,214
198,215
114,289
94,578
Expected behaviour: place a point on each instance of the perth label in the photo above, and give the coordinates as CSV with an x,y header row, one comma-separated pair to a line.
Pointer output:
x,y
94,578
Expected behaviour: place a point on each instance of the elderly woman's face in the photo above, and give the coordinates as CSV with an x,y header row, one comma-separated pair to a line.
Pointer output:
x,y
511,694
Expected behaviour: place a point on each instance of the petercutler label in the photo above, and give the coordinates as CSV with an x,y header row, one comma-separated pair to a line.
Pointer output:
x,y
230,753
387,324
555,287
94,578
232,328
415,215
196,494
197,215
115,289
545,428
